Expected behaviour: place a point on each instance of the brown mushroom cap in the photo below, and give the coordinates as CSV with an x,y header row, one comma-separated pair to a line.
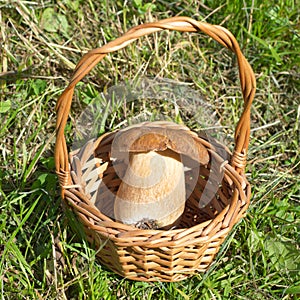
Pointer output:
x,y
160,136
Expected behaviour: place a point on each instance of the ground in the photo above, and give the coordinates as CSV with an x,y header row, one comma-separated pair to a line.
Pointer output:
x,y
41,42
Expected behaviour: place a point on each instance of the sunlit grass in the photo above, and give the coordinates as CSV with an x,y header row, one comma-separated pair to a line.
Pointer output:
x,y
41,257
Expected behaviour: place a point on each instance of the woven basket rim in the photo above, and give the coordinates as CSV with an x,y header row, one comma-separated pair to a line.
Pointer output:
x,y
128,231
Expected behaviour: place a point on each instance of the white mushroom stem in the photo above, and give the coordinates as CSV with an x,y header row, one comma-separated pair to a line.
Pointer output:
x,y
153,188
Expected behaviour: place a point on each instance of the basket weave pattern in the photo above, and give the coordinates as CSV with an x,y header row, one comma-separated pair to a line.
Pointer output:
x,y
87,175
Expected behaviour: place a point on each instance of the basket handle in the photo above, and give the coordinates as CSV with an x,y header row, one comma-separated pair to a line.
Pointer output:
x,y
184,24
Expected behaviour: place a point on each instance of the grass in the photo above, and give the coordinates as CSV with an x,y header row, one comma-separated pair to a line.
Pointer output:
x,y
41,41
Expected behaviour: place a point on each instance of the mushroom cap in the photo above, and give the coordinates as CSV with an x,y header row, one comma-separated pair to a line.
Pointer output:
x,y
160,136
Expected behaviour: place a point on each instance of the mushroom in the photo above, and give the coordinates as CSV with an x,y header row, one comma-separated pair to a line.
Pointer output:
x,y
152,192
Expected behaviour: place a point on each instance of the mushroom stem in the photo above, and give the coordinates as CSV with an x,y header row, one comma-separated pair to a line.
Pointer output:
x,y
153,188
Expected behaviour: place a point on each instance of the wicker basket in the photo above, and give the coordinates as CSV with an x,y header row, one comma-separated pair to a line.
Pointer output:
x,y
147,254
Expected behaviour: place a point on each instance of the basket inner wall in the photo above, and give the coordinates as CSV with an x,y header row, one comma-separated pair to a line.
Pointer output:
x,y
208,190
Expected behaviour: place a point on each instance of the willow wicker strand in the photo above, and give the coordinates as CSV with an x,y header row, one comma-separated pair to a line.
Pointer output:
x,y
184,24
148,255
